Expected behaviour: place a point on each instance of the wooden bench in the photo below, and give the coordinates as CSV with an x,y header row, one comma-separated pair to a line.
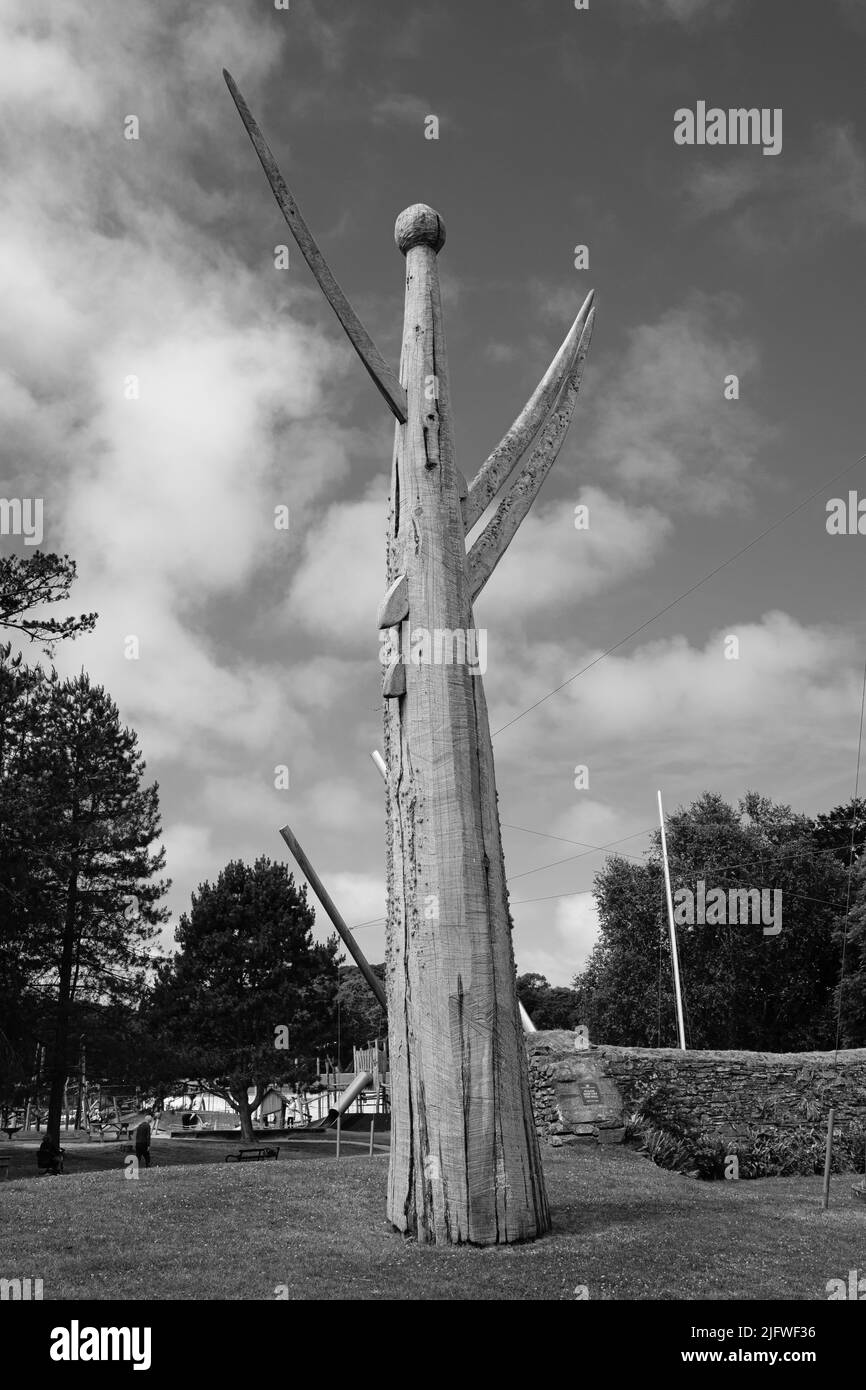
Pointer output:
x,y
253,1155
5,1160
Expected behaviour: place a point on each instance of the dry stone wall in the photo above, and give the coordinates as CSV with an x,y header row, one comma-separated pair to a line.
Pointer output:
x,y
586,1096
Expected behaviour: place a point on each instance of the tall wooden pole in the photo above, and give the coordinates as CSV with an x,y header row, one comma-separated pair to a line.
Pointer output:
x,y
465,1163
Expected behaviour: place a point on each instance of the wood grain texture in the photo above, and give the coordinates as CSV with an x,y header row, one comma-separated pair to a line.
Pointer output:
x,y
465,1163
500,464
384,378
491,545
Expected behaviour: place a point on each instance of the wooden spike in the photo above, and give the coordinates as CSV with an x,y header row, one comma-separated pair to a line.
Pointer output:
x,y
394,683
500,530
394,607
514,444
386,381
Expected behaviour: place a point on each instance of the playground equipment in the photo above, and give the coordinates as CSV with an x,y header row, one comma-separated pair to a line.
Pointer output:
x,y
461,1107
362,1081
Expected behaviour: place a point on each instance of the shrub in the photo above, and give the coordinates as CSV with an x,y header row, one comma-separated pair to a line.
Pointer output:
x,y
761,1152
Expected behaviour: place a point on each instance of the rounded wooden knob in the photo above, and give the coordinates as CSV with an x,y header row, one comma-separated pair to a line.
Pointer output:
x,y
419,225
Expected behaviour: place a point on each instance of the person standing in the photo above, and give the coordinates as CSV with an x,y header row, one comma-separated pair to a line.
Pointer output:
x,y
49,1158
142,1143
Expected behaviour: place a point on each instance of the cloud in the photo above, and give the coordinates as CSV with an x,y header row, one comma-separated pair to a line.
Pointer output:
x,y
786,203
360,898
566,564
557,949
716,188
119,260
688,710
339,603
680,11
402,107
662,422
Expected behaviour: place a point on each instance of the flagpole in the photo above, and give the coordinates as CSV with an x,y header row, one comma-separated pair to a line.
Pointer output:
x,y
674,955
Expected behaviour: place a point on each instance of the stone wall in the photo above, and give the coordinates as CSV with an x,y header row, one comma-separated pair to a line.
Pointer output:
x,y
586,1096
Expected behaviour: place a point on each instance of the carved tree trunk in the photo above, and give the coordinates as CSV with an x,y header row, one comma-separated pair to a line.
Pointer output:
x,y
465,1163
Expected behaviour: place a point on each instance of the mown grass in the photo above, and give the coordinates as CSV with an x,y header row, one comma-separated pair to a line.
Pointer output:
x,y
622,1227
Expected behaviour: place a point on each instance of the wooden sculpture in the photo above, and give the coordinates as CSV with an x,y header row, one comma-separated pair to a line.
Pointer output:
x,y
465,1161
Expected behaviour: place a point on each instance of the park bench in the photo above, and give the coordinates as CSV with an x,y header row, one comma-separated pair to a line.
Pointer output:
x,y
5,1160
252,1155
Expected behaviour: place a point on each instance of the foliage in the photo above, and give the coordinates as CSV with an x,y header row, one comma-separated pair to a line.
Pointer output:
x,y
741,989
361,1016
30,581
79,894
247,965
761,1152
836,832
549,1006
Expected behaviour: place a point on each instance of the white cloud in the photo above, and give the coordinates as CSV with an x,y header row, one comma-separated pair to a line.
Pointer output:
x,y
684,11
786,204
566,564
662,421
337,587
555,938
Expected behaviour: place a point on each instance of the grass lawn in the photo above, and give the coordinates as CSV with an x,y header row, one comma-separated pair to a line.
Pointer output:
x,y
622,1227
92,1156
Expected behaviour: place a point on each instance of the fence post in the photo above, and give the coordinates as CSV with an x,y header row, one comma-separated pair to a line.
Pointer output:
x,y
828,1158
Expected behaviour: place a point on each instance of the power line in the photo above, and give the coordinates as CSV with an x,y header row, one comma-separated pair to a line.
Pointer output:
x,y
696,829
564,838
569,859
667,608
572,893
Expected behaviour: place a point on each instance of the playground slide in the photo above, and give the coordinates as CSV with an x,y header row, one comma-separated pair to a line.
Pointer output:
x,y
362,1080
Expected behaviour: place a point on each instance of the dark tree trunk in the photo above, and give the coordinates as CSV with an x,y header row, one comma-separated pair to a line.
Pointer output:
x,y
64,994
245,1113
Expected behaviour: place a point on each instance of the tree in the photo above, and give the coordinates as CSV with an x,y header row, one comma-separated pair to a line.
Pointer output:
x,y
361,1017
839,831
742,989
549,1006
28,582
850,999
76,830
247,967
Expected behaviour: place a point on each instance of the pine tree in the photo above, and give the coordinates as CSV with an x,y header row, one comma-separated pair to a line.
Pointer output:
x,y
246,969
78,871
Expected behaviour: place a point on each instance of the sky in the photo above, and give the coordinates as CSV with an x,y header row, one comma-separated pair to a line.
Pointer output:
x,y
164,387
